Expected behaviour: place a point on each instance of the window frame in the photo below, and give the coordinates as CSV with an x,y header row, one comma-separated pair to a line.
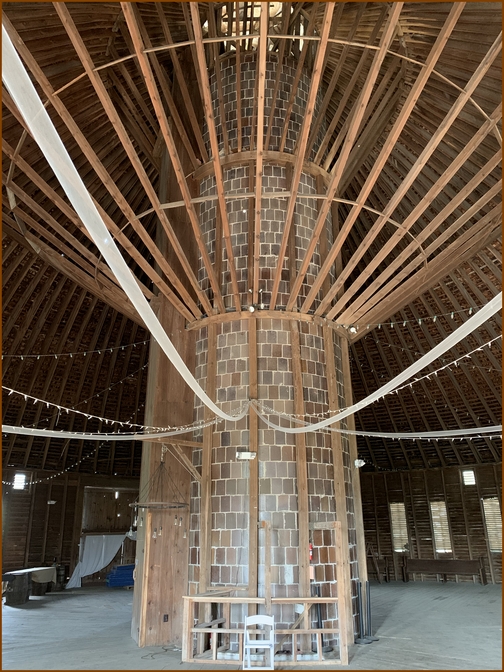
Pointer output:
x,y
441,532
492,534
400,531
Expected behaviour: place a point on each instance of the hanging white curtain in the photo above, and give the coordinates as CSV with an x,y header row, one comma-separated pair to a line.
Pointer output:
x,y
96,552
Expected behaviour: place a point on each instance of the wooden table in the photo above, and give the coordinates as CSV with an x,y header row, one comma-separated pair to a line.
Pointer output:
x,y
20,581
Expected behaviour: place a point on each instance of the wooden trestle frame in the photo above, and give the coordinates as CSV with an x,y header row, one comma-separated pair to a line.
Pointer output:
x,y
219,627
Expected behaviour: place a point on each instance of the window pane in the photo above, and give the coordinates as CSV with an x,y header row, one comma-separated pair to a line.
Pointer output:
x,y
493,522
442,540
19,481
399,527
468,477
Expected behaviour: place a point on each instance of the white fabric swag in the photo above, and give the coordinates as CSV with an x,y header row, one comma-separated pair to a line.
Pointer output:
x,y
96,552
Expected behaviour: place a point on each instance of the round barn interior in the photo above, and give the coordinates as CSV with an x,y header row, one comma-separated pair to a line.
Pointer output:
x,y
308,196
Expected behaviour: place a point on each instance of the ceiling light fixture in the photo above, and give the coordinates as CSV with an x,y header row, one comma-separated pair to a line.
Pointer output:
x,y
245,455
352,329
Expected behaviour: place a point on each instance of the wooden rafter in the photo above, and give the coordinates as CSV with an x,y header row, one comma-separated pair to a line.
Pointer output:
x,y
399,124
301,144
101,171
207,103
102,93
412,175
132,21
359,108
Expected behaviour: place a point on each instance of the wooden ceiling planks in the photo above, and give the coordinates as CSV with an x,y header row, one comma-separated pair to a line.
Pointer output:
x,y
414,167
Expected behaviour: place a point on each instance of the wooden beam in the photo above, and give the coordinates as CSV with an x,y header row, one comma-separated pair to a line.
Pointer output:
x,y
253,553
301,473
340,496
297,78
102,93
261,87
186,462
344,590
336,72
412,175
413,216
212,28
105,177
462,249
364,303
382,158
301,144
206,468
354,471
207,104
179,74
348,89
107,293
286,8
238,82
132,20
358,112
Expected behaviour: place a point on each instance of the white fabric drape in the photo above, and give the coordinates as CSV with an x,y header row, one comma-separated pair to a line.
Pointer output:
x,y
96,552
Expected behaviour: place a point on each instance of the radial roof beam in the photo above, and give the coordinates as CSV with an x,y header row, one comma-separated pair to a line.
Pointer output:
x,y
107,180
133,26
214,144
181,81
109,108
486,230
357,114
302,142
261,88
380,162
286,8
399,194
405,271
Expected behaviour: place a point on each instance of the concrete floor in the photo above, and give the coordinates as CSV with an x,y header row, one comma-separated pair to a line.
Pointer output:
x,y
421,626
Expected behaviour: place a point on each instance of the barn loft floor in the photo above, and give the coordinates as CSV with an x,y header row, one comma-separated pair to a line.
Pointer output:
x,y
421,626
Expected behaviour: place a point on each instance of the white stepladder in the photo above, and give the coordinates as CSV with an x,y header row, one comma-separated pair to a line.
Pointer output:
x,y
257,638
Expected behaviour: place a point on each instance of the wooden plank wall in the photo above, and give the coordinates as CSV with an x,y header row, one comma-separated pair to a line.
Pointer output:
x,y
416,489
34,532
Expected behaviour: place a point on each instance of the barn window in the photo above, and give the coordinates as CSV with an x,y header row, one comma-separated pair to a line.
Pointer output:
x,y
493,521
399,527
442,542
19,481
468,477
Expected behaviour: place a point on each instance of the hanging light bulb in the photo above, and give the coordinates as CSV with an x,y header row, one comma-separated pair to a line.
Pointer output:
x,y
140,524
175,520
154,534
160,531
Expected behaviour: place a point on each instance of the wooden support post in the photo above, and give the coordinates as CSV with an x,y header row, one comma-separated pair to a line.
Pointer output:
x,y
341,577
339,475
30,523
267,565
62,519
354,471
46,526
206,482
161,583
302,479
254,469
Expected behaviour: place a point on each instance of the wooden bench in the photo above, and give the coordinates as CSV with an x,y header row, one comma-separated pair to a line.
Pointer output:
x,y
444,567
